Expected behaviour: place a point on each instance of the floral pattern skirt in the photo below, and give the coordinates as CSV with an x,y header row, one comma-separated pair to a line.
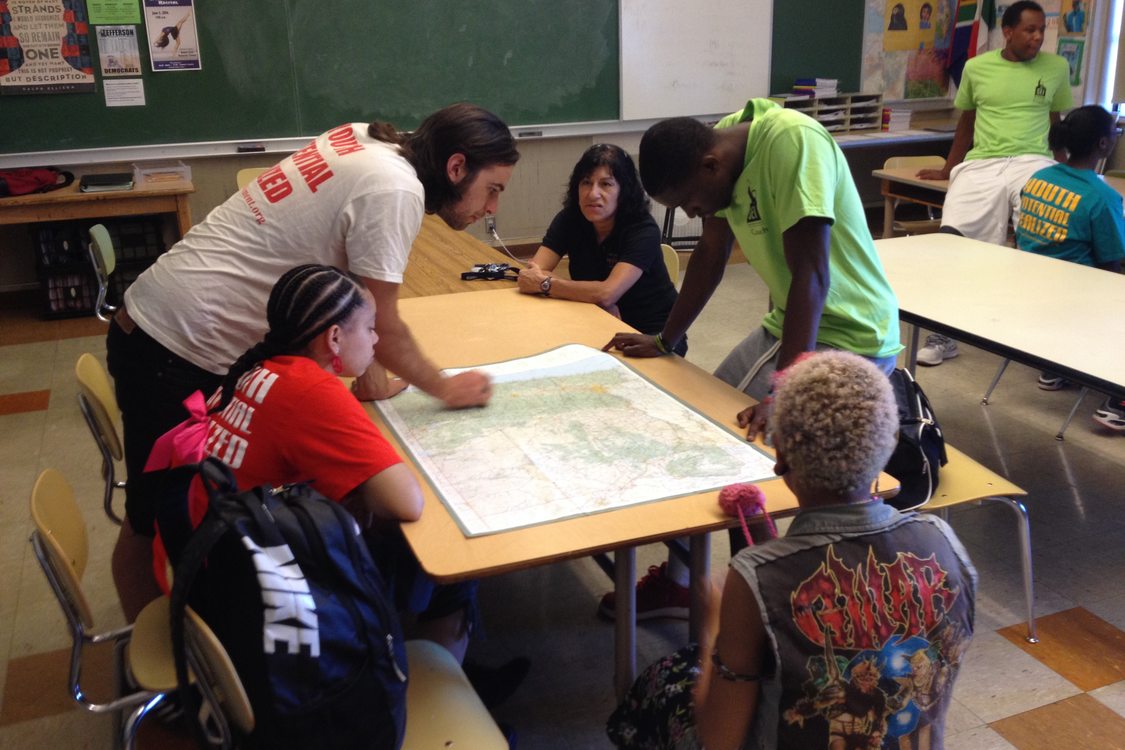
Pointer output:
x,y
656,713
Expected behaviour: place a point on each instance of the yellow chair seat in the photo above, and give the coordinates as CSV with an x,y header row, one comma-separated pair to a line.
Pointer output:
x,y
442,709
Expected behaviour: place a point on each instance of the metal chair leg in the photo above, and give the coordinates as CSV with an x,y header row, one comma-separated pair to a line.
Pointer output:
x,y
133,723
1024,532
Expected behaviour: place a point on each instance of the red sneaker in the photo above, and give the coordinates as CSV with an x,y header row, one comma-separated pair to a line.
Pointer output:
x,y
657,596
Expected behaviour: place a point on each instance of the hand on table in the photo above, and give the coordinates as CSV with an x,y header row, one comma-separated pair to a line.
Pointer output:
x,y
471,388
756,420
530,278
933,174
634,345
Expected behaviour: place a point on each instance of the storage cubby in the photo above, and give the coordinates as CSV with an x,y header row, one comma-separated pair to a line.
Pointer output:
x,y
844,113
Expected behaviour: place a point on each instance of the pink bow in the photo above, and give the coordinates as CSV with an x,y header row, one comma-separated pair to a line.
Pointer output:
x,y
185,443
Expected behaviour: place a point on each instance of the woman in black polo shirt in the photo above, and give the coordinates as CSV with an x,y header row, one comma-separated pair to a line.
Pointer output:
x,y
613,243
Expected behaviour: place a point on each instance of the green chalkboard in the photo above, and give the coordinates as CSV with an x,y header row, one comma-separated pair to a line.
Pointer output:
x,y
281,68
817,38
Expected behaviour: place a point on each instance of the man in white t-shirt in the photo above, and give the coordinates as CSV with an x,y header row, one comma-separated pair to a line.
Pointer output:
x,y
353,198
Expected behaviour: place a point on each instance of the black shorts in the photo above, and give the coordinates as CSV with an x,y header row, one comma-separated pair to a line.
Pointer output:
x,y
151,384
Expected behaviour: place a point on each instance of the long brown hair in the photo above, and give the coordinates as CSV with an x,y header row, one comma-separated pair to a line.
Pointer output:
x,y
462,128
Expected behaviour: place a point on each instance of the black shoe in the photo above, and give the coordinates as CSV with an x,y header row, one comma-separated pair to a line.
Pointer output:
x,y
495,685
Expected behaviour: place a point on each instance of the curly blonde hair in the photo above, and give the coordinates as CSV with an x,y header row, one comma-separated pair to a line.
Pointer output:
x,y
835,420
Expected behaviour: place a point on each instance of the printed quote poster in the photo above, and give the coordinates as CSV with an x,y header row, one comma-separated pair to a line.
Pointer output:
x,y
44,47
173,41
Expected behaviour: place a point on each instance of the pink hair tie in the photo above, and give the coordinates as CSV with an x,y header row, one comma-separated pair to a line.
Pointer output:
x,y
743,500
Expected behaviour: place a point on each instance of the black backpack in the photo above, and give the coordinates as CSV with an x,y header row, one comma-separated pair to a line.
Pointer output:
x,y
285,580
920,452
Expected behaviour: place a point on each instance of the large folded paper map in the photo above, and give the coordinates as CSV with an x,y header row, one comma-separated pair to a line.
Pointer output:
x,y
568,432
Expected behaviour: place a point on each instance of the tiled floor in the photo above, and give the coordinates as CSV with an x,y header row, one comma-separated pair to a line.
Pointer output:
x,y
1066,692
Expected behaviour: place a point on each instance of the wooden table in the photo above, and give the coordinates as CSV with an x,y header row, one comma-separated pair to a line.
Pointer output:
x,y
903,183
440,255
458,330
1047,313
71,203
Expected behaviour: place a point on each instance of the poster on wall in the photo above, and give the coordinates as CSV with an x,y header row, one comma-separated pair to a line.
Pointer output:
x,y
45,48
113,11
915,24
927,74
172,39
1070,49
118,52
1076,15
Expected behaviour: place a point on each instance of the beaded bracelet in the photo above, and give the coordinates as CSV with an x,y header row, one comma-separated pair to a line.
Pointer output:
x,y
727,674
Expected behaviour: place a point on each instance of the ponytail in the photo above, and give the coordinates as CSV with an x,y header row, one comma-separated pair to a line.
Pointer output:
x,y
1079,132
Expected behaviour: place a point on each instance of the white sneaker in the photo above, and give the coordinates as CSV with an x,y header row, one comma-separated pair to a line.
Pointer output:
x,y
938,348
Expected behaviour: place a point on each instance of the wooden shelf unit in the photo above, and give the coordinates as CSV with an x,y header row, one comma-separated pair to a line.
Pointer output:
x,y
843,113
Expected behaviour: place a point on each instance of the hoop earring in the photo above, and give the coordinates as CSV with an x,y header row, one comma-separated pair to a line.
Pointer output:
x,y
337,364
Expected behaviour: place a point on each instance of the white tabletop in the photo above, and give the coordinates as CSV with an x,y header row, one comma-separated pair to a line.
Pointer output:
x,y
1038,310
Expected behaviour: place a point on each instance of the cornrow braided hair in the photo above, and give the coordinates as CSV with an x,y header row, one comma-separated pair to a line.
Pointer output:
x,y
304,302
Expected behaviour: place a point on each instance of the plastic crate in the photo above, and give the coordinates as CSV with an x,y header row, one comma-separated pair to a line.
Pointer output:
x,y
59,245
70,294
139,238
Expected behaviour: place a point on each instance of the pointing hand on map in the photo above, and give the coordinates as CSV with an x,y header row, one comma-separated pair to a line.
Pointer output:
x,y
634,345
471,388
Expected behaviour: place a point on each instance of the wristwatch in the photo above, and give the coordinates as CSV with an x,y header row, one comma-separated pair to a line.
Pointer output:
x,y
545,286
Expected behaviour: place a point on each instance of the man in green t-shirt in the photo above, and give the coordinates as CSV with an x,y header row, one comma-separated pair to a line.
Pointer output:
x,y
1008,100
775,180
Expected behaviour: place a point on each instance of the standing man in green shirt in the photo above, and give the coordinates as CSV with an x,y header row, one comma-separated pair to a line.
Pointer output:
x,y
775,180
1008,98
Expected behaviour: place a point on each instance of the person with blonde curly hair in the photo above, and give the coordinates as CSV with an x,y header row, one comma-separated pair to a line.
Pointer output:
x,y
821,639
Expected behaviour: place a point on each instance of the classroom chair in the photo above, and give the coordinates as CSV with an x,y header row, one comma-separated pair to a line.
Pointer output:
x,y
98,404
248,175
104,260
142,653
217,679
923,226
442,709
672,263
681,237
1069,417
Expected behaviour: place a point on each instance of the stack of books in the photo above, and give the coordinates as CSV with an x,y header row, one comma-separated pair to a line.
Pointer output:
x,y
895,120
817,88
100,183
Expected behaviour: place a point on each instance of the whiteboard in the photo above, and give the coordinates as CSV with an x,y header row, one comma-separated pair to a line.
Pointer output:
x,y
698,58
